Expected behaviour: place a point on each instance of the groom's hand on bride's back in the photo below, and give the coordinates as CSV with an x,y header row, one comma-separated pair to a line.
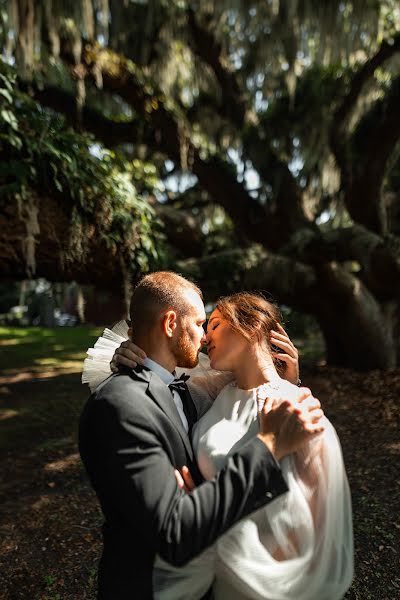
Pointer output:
x,y
287,425
184,479
128,354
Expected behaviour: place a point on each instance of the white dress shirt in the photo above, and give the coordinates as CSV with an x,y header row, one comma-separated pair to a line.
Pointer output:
x,y
168,378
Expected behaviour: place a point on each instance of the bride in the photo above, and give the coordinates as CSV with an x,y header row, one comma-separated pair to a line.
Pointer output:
x,y
299,547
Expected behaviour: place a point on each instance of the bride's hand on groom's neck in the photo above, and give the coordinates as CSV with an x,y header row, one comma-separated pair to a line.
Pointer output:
x,y
128,355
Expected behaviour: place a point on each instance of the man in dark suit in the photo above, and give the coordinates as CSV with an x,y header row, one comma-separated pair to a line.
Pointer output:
x,y
134,432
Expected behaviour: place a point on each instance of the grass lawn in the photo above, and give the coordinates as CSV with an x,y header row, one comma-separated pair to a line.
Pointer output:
x,y
44,352
53,357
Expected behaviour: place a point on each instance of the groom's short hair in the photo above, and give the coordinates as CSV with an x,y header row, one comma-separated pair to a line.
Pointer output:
x,y
157,292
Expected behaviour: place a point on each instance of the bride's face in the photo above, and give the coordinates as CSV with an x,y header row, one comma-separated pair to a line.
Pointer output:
x,y
225,346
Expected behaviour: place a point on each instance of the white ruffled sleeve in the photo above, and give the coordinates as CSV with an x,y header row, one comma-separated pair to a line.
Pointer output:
x,y
299,547
96,367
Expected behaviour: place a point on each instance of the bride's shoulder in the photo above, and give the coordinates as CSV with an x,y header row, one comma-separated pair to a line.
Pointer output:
x,y
279,388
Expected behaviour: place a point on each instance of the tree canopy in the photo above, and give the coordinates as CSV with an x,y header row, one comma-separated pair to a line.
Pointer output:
x,y
263,136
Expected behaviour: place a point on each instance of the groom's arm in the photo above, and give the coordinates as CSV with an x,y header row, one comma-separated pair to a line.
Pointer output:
x,y
138,479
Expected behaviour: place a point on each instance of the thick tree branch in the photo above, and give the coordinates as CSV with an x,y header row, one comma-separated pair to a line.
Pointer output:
x,y
181,229
193,197
206,47
378,258
363,186
288,197
289,281
346,309
47,245
386,51
362,189
110,132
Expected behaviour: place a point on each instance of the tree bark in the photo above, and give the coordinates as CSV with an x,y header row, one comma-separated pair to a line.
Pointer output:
x,y
42,250
355,326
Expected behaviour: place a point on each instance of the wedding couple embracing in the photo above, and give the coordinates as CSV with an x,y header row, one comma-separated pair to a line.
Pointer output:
x,y
229,484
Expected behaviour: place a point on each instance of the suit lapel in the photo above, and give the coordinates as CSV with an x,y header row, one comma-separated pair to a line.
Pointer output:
x,y
160,393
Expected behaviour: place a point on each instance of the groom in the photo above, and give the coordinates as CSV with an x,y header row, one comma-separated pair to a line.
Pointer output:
x,y
134,432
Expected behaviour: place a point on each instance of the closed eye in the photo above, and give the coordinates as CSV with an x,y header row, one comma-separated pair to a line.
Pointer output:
x,y
215,327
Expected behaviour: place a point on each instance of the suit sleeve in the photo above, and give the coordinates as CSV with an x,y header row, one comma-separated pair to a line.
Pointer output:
x,y
138,479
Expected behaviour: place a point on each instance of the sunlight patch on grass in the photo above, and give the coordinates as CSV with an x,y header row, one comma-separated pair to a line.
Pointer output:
x,y
7,413
11,342
62,464
69,356
53,361
33,348
16,332
41,372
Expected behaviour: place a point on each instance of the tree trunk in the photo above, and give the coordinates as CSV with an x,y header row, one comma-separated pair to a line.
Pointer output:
x,y
358,331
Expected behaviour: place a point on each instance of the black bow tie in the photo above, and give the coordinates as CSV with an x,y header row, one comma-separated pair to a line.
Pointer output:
x,y
179,384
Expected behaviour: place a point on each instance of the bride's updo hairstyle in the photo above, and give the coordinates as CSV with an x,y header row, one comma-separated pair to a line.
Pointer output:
x,y
252,316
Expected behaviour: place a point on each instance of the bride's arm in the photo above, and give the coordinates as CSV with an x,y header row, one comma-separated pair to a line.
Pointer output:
x,y
308,465
303,541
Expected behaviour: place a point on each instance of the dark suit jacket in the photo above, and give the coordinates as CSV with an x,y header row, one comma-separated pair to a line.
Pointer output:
x,y
131,437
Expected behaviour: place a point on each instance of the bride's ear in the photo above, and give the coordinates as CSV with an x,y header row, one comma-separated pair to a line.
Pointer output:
x,y
169,323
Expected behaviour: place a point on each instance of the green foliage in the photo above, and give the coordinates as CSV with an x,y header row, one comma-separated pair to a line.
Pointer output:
x,y
40,154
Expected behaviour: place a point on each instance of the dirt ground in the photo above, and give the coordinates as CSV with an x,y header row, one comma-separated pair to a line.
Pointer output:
x,y
50,521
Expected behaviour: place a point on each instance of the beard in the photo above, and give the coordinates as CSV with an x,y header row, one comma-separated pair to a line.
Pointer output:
x,y
185,353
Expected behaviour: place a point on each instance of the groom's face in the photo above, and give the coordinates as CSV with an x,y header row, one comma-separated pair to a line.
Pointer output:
x,y
190,335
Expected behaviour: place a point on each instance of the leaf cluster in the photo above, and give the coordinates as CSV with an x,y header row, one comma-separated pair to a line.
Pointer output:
x,y
94,187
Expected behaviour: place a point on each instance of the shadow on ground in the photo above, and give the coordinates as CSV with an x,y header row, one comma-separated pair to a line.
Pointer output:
x,y
50,521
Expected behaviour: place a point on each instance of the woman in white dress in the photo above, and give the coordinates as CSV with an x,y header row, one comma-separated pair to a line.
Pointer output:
x,y
299,547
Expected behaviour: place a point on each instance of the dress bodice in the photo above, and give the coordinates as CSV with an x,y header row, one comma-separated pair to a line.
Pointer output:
x,y
231,421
